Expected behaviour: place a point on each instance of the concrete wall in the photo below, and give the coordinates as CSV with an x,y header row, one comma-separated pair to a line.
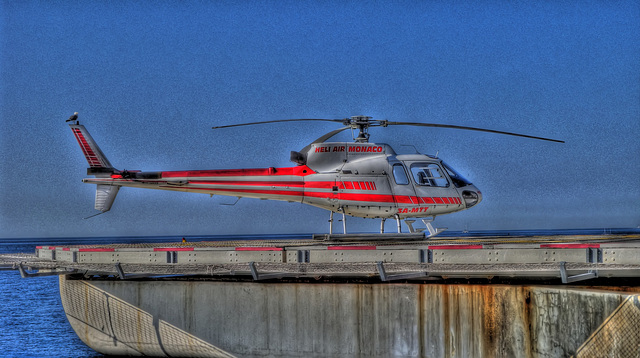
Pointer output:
x,y
247,319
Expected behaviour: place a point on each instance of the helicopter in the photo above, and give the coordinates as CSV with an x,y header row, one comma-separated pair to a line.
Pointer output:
x,y
359,178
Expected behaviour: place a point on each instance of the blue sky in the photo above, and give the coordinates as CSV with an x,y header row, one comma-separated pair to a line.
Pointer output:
x,y
150,79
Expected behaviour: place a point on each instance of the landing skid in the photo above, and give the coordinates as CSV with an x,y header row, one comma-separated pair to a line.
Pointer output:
x,y
417,232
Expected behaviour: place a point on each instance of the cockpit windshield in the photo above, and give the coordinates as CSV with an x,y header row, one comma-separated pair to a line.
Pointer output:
x,y
458,180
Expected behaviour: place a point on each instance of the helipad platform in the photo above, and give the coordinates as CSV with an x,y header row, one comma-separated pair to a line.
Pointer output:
x,y
569,258
320,298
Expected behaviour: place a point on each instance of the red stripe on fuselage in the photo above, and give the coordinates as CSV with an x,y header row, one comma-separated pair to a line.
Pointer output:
x,y
249,191
249,183
297,184
301,189
401,199
348,197
296,171
274,187
376,198
323,184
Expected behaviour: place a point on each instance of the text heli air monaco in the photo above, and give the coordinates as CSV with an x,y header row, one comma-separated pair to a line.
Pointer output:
x,y
359,179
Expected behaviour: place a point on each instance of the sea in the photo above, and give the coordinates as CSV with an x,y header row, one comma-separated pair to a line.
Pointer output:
x,y
33,322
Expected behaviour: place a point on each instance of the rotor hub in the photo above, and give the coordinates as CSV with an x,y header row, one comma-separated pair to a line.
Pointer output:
x,y
361,123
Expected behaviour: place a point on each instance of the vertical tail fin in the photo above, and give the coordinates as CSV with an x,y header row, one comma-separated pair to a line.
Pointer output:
x,y
92,152
99,166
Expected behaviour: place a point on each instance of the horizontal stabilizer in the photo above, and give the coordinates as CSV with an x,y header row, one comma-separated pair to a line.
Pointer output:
x,y
105,195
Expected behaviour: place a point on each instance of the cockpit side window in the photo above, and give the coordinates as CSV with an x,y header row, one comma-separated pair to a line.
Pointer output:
x,y
429,174
400,175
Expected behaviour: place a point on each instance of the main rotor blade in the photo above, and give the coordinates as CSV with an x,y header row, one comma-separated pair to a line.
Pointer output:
x,y
280,120
469,128
323,138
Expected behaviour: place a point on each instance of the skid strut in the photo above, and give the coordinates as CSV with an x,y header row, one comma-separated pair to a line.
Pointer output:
x,y
432,231
398,223
344,222
331,222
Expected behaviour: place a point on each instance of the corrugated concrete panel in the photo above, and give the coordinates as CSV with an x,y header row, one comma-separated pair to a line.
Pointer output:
x,y
203,257
256,256
621,256
46,253
67,256
326,256
509,256
247,319
123,257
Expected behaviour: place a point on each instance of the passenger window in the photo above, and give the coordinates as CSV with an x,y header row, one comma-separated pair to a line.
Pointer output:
x,y
429,175
400,175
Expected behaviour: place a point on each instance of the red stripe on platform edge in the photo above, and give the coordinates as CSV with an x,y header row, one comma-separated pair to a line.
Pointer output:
x,y
570,246
173,249
454,247
96,250
258,249
351,247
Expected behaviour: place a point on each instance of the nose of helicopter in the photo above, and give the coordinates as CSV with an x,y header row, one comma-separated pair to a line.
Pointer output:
x,y
472,196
